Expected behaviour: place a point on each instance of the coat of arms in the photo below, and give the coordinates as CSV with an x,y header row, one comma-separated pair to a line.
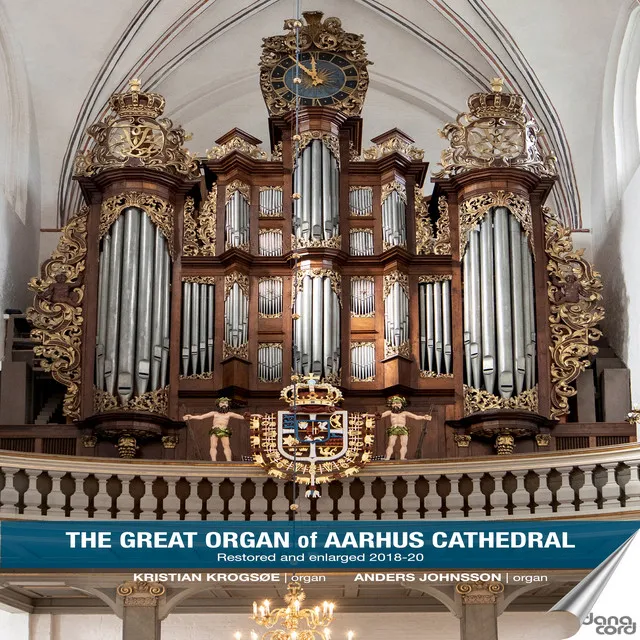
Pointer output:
x,y
312,442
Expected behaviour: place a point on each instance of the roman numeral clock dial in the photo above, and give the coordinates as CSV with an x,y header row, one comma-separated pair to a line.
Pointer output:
x,y
328,79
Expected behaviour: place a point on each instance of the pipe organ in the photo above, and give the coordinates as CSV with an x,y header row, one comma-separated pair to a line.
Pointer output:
x,y
237,216
436,342
227,274
499,306
132,342
316,180
198,305
394,219
396,314
316,324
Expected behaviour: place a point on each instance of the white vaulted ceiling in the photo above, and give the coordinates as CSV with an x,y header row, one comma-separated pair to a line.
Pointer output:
x,y
202,55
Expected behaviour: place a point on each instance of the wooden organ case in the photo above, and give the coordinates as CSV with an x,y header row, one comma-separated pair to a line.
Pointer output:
x,y
186,279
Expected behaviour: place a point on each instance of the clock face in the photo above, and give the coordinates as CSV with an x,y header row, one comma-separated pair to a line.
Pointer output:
x,y
327,78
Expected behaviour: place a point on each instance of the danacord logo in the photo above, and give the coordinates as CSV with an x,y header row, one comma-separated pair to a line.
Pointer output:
x,y
351,539
612,626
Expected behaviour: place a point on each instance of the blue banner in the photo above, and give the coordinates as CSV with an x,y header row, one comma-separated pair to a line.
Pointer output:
x,y
321,546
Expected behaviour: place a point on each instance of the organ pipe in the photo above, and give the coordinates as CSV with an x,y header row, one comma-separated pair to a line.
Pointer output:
x,y
132,342
499,306
435,326
270,202
362,297
361,201
237,220
394,223
316,179
361,242
270,362
316,333
363,361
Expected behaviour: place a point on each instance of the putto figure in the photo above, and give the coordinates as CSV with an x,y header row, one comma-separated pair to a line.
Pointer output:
x,y
398,427
220,429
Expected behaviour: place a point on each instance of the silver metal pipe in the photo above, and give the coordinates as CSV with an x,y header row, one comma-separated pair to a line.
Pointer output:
x,y
503,302
446,325
422,312
327,214
202,329
126,347
517,304
488,303
316,328
195,326
306,324
186,326
327,326
210,317
336,333
431,335
466,312
437,317
103,297
156,309
473,255
113,306
335,196
529,313
316,188
297,335
306,193
166,315
145,302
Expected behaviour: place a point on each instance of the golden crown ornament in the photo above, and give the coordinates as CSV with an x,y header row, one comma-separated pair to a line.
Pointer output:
x,y
135,135
496,132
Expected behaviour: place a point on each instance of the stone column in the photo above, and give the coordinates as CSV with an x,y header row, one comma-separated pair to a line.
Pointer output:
x,y
479,620
140,620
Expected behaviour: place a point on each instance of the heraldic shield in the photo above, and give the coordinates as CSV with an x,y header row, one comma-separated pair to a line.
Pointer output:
x,y
313,442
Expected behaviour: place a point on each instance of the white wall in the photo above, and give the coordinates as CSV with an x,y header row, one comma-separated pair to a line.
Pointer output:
x,y
19,178
14,626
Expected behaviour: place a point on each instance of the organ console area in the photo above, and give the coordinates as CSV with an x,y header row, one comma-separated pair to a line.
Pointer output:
x,y
235,274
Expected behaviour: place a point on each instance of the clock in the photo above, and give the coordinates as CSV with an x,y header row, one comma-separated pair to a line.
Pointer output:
x,y
332,67
327,79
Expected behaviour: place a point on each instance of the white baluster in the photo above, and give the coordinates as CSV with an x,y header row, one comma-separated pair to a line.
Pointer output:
x,y
389,502
32,497
171,504
632,488
124,502
433,502
193,504
565,495
589,492
9,495
499,499
611,489
280,504
455,499
102,500
411,501
476,500
368,502
543,496
324,504
521,497
148,502
79,501
56,499
346,506
237,503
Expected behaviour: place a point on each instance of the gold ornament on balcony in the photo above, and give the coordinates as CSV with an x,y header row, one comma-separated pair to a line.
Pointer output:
x,y
293,622
137,136
496,132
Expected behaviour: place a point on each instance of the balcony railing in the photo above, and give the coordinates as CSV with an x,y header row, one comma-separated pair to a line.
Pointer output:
x,y
598,482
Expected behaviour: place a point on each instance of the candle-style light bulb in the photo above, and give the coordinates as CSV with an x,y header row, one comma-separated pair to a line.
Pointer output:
x,y
294,635
331,608
237,635
267,604
255,608
317,610
350,635
325,606
327,634
261,609
254,635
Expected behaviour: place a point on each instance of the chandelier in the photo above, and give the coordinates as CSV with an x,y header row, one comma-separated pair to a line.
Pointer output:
x,y
293,621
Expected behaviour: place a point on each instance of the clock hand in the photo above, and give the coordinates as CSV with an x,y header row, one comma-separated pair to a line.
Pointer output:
x,y
308,71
